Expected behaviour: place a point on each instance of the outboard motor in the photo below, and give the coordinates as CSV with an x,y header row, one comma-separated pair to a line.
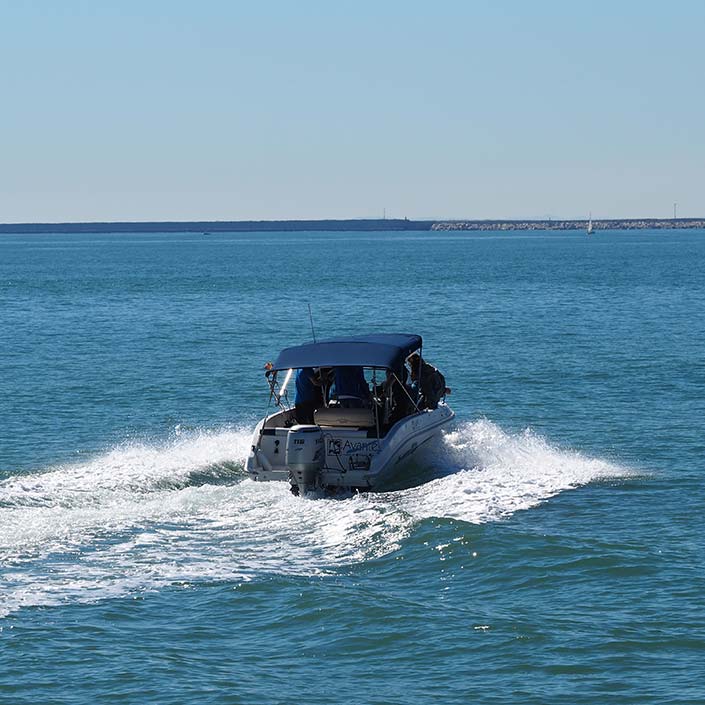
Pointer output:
x,y
304,456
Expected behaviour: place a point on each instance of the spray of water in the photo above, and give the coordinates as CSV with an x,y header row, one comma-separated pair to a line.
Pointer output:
x,y
144,516
490,474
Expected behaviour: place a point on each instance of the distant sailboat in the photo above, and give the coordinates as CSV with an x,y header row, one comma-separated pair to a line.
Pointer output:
x,y
589,227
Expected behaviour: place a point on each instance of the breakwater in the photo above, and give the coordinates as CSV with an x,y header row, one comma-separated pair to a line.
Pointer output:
x,y
206,227
614,224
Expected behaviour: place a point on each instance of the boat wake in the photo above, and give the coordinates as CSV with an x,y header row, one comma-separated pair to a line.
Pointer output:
x,y
489,474
142,517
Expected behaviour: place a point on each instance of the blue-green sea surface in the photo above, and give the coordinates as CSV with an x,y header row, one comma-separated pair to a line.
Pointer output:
x,y
550,550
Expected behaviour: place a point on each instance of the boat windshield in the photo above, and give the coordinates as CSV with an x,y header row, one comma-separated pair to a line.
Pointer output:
x,y
381,396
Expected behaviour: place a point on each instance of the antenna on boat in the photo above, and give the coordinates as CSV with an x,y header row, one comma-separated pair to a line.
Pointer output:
x,y
310,318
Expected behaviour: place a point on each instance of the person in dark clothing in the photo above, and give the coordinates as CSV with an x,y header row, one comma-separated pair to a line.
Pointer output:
x,y
350,387
399,397
309,395
327,378
428,382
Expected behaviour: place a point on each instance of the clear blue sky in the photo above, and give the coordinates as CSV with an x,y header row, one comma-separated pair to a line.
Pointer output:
x,y
171,110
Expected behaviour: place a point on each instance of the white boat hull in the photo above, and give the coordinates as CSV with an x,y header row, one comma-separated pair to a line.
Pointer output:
x,y
348,458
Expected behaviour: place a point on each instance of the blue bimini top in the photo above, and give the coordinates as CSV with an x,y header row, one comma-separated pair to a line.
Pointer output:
x,y
387,350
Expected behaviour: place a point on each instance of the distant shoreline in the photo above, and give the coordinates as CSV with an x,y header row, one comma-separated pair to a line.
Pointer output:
x,y
351,225
612,224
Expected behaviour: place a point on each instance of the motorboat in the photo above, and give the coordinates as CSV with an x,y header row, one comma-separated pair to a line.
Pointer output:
x,y
352,436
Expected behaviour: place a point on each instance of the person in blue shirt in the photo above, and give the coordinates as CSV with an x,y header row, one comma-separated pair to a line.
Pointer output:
x,y
309,395
350,387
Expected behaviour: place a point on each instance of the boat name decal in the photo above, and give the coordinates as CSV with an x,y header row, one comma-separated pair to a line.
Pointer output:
x,y
336,446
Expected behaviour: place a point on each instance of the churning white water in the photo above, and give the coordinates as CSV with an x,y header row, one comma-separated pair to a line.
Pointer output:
x,y
145,516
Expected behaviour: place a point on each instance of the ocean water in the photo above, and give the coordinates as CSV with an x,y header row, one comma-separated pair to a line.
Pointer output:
x,y
551,551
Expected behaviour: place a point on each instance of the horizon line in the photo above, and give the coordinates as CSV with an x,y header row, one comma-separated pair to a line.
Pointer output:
x,y
545,219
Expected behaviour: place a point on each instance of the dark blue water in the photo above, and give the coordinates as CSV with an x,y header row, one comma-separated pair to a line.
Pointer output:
x,y
556,557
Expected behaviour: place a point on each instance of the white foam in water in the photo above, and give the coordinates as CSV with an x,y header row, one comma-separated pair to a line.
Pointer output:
x,y
145,516
498,474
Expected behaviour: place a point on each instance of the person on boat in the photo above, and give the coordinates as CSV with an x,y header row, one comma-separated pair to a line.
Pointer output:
x,y
399,397
427,381
350,387
327,378
309,394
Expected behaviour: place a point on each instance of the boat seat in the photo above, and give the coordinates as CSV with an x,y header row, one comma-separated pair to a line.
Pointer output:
x,y
339,416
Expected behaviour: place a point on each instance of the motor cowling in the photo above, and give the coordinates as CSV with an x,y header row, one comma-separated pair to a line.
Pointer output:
x,y
304,455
